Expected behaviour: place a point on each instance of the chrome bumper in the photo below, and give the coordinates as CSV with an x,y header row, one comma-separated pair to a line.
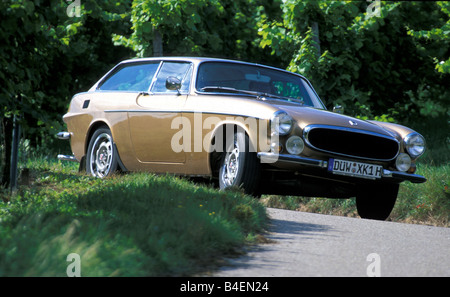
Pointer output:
x,y
273,158
284,158
67,158
65,136
414,178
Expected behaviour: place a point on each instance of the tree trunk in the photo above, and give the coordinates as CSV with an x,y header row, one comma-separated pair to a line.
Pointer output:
x,y
157,43
315,31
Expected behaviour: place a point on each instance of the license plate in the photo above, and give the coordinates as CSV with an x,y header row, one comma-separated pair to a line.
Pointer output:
x,y
356,169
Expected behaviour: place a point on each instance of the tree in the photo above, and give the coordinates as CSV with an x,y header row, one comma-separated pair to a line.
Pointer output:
x,y
220,28
368,64
440,36
48,55
22,56
433,39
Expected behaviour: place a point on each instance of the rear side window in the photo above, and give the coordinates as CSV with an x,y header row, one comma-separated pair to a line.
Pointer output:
x,y
132,77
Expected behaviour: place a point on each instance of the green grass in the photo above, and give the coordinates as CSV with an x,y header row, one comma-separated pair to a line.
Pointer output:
x,y
427,203
128,225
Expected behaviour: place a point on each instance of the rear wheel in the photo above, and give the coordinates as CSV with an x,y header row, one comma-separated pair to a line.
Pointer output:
x,y
102,157
238,166
376,201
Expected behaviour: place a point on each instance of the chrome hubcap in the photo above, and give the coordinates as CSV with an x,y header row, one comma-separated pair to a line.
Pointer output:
x,y
101,155
231,166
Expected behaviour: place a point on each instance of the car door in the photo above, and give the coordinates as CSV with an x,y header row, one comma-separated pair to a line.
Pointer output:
x,y
115,96
150,122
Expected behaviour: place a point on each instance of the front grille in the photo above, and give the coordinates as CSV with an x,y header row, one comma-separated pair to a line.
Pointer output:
x,y
352,142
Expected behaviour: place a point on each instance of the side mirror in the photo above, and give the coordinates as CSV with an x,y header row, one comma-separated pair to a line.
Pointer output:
x,y
338,109
173,84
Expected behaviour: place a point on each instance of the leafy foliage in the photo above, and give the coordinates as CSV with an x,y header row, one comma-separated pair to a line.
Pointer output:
x,y
46,56
370,65
441,36
221,28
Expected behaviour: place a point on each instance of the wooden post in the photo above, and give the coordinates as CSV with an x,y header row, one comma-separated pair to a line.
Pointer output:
x,y
14,154
7,127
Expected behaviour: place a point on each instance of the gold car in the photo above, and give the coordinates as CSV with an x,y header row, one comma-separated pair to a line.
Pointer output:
x,y
247,125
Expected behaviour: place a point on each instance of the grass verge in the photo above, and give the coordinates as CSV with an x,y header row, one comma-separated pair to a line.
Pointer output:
x,y
127,225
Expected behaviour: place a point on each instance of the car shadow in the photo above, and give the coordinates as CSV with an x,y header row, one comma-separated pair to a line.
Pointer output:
x,y
277,226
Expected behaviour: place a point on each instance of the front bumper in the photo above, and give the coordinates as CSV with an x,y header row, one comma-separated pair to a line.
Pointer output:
x,y
393,176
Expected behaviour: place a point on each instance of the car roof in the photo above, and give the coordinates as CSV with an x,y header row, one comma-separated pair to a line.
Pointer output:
x,y
198,60
190,59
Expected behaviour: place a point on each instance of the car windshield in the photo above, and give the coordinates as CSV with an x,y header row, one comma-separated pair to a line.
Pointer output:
x,y
255,80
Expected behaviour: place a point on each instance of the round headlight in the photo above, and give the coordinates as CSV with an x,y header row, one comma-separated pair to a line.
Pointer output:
x,y
295,145
403,162
414,144
281,123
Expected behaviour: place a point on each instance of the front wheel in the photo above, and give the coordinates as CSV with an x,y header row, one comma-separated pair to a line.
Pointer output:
x,y
376,201
238,166
102,157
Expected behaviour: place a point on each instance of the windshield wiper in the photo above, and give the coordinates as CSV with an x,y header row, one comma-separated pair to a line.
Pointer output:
x,y
228,89
259,95
284,98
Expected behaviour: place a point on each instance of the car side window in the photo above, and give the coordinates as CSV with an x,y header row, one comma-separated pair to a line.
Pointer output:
x,y
133,77
180,70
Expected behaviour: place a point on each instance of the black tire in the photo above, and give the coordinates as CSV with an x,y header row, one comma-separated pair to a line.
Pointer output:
x,y
376,202
102,157
238,166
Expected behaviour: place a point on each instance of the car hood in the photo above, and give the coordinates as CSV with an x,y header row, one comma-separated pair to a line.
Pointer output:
x,y
305,116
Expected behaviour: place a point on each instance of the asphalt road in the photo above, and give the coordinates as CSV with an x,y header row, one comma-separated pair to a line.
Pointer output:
x,y
306,244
